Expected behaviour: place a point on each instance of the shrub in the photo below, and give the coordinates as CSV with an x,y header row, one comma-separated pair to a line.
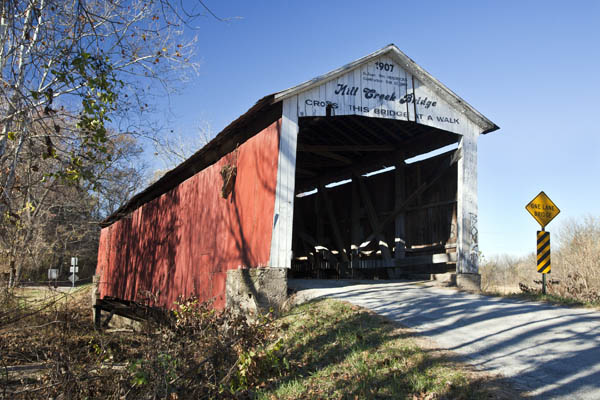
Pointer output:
x,y
196,352
575,265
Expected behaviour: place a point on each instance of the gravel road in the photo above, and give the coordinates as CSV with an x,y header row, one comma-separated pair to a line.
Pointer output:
x,y
549,352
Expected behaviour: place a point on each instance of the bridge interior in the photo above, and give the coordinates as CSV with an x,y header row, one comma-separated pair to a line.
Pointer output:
x,y
372,200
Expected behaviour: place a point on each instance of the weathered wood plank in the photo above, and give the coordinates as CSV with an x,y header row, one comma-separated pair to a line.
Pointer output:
x,y
355,219
468,246
400,229
446,164
373,162
355,215
431,205
281,238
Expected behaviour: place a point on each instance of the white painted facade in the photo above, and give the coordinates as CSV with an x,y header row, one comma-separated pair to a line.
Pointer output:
x,y
385,84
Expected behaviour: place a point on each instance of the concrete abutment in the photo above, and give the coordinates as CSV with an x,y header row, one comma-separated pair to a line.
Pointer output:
x,y
256,290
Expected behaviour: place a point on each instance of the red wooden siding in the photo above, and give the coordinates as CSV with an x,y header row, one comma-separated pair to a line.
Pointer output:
x,y
183,242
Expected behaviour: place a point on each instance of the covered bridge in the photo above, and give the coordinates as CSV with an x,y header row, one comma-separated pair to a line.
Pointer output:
x,y
321,180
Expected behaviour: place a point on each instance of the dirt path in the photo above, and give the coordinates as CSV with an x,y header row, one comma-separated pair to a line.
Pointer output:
x,y
548,351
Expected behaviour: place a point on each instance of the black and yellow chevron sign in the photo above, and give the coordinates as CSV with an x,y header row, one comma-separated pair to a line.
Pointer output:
x,y
543,252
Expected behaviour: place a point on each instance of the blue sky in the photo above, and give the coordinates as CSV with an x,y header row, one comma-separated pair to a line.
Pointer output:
x,y
532,67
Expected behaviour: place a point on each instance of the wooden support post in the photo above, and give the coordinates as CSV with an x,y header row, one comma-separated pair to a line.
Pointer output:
x,y
97,317
318,220
373,220
400,236
453,226
303,237
337,236
306,238
440,171
355,221
467,245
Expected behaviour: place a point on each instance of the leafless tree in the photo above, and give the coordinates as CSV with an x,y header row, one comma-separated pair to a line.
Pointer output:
x,y
72,72
175,148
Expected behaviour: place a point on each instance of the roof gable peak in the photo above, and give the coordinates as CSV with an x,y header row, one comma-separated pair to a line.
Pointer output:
x,y
408,65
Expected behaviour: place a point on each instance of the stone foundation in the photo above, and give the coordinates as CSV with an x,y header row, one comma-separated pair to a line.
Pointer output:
x,y
470,282
448,279
119,322
256,290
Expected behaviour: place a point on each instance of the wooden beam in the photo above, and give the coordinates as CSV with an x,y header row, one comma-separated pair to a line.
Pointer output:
x,y
320,148
337,236
427,141
355,223
340,128
372,215
400,129
323,163
306,238
319,218
369,130
400,229
334,156
441,170
355,217
369,164
300,230
319,125
306,172
432,205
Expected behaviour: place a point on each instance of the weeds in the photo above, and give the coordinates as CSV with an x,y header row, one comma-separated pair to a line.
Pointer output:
x,y
320,350
575,276
197,353
334,350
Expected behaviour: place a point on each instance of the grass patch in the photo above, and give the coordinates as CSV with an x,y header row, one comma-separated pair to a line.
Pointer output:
x,y
548,298
338,351
323,349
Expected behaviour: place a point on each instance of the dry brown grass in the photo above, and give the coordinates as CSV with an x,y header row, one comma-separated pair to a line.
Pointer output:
x,y
49,349
575,265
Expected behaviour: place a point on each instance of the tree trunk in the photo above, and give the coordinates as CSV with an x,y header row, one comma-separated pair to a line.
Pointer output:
x,y
13,275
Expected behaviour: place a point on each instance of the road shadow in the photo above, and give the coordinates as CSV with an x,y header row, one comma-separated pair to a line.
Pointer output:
x,y
357,354
555,350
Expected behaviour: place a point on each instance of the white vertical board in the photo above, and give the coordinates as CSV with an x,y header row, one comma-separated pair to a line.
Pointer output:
x,y
467,241
281,239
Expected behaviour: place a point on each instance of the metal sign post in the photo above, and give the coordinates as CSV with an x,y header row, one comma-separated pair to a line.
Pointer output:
x,y
543,256
74,269
543,210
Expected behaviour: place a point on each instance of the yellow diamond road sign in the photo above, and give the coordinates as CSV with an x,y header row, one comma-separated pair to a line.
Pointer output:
x,y
542,209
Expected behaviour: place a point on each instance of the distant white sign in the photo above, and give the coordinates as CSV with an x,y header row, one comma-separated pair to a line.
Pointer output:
x,y
73,278
52,274
74,269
